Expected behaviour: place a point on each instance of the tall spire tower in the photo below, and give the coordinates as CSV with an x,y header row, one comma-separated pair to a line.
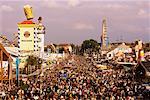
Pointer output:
x,y
104,34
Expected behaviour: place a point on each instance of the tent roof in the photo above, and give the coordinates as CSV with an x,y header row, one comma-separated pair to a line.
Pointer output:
x,y
123,46
27,22
6,53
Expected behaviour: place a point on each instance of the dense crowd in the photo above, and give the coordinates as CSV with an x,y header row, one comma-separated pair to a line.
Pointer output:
x,y
77,80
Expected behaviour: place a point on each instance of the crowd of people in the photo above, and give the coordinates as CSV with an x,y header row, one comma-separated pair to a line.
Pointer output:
x,y
77,80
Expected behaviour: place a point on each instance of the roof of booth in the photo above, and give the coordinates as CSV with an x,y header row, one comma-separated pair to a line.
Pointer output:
x,y
27,22
5,52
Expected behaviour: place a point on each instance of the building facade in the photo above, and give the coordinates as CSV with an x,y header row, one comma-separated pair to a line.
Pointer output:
x,y
30,37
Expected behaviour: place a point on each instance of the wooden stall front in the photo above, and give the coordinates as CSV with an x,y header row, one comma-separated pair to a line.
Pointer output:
x,y
5,64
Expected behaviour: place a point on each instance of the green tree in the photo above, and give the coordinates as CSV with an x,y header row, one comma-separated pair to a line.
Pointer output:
x,y
61,50
78,50
89,46
34,62
73,48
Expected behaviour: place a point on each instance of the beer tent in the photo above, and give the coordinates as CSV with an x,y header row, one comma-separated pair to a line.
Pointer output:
x,y
5,64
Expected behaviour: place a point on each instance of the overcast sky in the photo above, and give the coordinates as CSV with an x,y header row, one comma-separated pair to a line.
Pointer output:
x,y
72,21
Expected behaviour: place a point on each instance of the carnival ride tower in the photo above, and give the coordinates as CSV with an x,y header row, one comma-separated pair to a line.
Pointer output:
x,y
104,38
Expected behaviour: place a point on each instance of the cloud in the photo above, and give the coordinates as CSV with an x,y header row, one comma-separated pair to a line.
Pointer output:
x,y
50,3
116,6
60,3
143,13
83,26
6,8
73,3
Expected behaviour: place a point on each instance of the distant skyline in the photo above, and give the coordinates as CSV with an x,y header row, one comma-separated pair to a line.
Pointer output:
x,y
72,21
